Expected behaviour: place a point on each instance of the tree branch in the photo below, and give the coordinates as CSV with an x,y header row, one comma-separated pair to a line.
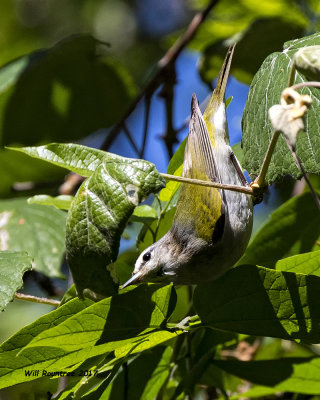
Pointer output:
x,y
234,188
163,65
35,299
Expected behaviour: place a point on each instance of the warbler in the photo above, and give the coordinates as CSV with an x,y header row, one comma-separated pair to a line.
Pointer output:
x,y
211,227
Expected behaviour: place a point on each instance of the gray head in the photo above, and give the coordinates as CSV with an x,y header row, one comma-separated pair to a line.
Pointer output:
x,y
156,263
167,260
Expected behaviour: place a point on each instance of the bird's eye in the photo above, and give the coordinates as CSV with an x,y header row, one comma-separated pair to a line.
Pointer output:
x,y
146,257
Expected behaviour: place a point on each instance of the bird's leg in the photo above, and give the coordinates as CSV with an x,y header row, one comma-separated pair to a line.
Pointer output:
x,y
237,167
257,191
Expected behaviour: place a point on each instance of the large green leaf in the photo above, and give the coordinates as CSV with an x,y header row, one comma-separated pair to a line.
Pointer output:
x,y
12,267
306,263
265,90
262,302
61,202
65,92
35,229
145,377
292,229
98,216
114,319
13,365
114,324
75,157
17,167
298,375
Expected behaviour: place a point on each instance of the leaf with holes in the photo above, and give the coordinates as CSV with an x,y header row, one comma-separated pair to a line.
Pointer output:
x,y
98,215
265,91
12,267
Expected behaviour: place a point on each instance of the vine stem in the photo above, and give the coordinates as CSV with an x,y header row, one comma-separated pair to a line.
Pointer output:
x,y
305,84
235,188
261,178
35,299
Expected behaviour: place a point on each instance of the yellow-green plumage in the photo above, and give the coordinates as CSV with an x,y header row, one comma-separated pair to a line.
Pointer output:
x,y
199,207
211,227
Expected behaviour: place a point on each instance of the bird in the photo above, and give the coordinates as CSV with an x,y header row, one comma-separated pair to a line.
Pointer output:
x,y
211,227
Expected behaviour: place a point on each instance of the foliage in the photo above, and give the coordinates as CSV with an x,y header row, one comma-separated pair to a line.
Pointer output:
x,y
256,328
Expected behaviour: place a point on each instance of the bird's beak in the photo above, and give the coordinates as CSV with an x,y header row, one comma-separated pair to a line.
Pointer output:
x,y
136,278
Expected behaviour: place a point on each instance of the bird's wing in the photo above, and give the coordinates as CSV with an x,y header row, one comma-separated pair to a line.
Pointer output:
x,y
200,209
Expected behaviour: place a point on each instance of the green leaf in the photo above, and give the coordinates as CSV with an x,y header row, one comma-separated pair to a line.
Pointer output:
x,y
155,231
61,202
292,229
231,17
12,267
124,265
306,61
75,157
191,378
297,375
262,302
63,93
307,263
19,170
98,216
115,320
174,168
256,391
254,44
237,150
13,365
267,85
145,376
37,230
144,214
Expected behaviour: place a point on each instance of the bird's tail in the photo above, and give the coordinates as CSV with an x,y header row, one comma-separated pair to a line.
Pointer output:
x,y
214,114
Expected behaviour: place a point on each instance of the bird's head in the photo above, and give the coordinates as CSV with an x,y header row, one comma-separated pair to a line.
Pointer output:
x,y
157,263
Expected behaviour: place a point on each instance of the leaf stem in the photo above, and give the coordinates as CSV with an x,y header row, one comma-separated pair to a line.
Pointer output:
x,y
292,74
261,178
35,299
146,125
129,137
235,188
305,84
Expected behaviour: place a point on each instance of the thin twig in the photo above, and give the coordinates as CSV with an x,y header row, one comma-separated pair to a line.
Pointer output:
x,y
167,92
234,188
130,138
261,178
35,299
163,64
292,74
146,126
